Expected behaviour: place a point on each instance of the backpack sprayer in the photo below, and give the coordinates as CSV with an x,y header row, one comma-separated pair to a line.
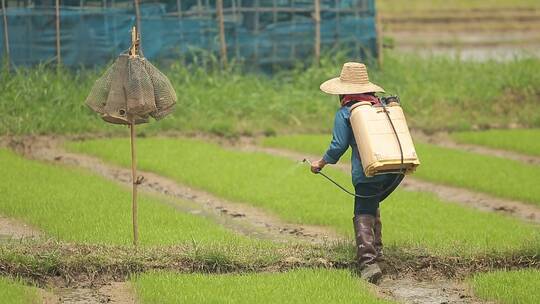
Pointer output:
x,y
384,141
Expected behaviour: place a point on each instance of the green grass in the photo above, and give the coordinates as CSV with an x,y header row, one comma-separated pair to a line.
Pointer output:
x,y
438,93
74,205
508,287
525,141
489,174
16,292
287,189
400,6
298,286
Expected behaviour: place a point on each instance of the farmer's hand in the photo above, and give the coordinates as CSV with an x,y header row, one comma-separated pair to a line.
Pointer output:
x,y
318,165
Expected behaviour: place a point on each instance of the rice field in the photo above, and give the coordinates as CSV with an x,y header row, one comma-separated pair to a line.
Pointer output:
x,y
73,205
298,286
288,190
526,141
519,286
15,291
507,178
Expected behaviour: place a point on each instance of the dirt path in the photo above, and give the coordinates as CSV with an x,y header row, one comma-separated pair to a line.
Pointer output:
x,y
13,229
410,290
239,217
113,292
444,140
452,194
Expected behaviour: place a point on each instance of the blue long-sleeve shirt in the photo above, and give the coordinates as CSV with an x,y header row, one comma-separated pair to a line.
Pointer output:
x,y
342,139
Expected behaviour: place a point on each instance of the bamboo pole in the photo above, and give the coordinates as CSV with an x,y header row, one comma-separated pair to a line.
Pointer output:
x,y
135,183
6,35
256,25
134,52
138,18
317,17
58,47
337,34
179,8
222,42
379,30
235,16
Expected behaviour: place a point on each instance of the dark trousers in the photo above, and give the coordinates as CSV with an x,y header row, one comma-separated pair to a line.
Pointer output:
x,y
380,191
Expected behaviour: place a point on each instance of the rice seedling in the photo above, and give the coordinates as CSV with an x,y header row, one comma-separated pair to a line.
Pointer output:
x,y
508,287
526,141
14,291
297,286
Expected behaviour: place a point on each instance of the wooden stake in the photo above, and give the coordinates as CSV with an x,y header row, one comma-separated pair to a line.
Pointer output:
x,y
317,17
58,49
138,17
179,8
135,42
379,32
6,34
135,182
222,42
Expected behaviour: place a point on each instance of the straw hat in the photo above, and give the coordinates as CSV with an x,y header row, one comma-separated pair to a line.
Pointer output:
x,y
353,80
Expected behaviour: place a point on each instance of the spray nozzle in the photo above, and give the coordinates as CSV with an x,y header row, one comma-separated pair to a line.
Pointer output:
x,y
305,160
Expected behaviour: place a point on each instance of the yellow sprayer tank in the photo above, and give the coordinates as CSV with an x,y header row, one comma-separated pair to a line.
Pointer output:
x,y
377,142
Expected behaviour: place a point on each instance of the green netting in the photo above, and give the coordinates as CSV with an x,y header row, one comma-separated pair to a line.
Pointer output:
x,y
262,32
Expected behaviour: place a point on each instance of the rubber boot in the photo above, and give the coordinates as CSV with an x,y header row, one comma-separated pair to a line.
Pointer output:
x,y
366,254
377,229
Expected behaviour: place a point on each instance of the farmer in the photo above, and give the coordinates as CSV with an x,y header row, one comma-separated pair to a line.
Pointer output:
x,y
353,86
